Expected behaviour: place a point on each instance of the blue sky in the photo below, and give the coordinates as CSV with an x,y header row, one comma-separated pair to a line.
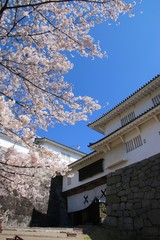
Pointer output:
x,y
133,48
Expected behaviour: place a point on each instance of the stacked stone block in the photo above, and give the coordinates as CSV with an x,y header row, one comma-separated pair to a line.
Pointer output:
x,y
133,199
50,210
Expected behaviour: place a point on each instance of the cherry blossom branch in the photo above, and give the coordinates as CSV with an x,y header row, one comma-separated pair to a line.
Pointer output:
x,y
29,35
16,134
12,99
3,8
25,79
15,23
35,37
7,171
6,178
56,28
19,166
51,1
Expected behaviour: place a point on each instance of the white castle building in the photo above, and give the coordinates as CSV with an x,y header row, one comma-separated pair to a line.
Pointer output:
x,y
23,212
66,153
131,133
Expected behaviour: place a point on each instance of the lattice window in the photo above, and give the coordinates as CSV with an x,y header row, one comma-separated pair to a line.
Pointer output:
x,y
137,141
129,145
128,118
156,100
134,143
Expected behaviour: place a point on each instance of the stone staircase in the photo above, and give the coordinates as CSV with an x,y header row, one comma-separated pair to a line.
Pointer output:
x,y
42,233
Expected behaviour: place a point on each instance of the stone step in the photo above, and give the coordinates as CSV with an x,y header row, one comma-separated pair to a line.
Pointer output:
x,y
36,229
42,233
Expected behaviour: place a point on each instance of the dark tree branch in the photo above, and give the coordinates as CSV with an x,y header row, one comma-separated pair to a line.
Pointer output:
x,y
6,178
33,84
18,166
56,28
3,8
53,1
17,102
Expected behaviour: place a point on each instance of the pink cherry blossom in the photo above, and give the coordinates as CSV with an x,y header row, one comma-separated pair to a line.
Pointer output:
x,y
35,36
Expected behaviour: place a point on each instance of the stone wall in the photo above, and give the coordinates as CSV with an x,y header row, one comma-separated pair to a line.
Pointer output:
x,y
49,211
22,213
133,200
19,211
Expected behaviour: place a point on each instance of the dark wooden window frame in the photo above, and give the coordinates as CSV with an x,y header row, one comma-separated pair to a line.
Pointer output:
x,y
91,170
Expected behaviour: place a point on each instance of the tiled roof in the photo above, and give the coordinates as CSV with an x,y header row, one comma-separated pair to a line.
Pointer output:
x,y
125,100
43,139
102,139
86,157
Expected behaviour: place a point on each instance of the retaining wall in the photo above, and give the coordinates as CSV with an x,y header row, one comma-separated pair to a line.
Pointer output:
x,y
50,210
133,200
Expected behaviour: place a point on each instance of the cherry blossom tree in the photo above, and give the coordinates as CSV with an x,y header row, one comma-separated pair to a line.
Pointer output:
x,y
36,39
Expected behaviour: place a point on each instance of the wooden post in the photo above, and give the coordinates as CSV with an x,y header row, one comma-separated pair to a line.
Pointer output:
x,y
0,225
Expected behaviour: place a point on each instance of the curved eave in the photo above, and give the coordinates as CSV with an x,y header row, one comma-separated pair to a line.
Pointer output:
x,y
99,124
151,113
60,145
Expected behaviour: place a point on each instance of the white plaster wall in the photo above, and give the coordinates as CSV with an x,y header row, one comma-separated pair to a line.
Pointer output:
x,y
60,150
114,155
131,134
111,126
75,179
140,107
50,146
6,143
127,111
150,133
143,105
77,202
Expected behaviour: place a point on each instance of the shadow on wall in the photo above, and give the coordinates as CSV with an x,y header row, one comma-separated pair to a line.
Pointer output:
x,y
101,232
56,215
38,219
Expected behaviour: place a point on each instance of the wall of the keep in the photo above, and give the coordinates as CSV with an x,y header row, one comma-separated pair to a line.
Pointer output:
x,y
118,155
74,181
139,108
133,200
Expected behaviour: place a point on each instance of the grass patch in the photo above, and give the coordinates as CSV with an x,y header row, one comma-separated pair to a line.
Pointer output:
x,y
99,233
